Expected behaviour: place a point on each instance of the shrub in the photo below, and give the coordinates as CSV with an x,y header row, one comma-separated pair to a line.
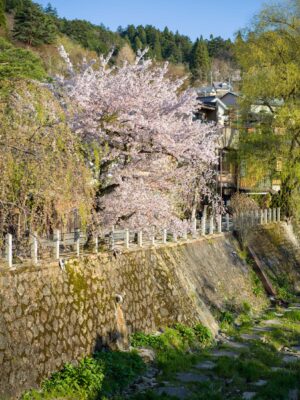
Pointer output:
x,y
19,63
140,339
84,380
187,334
203,334
120,369
227,317
106,374
179,337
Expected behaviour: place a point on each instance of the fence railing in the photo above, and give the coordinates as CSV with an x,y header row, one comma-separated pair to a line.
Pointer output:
x,y
64,245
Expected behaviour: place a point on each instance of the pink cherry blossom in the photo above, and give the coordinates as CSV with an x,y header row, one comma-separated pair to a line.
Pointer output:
x,y
158,160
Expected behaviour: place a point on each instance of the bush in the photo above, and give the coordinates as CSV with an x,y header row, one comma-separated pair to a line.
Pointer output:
x,y
187,334
227,317
140,339
203,334
84,380
179,337
105,374
172,345
120,369
19,63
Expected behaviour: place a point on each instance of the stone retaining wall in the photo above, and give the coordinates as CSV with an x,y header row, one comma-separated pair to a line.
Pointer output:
x,y
49,316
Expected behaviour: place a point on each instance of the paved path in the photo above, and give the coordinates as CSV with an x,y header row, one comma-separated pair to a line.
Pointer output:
x,y
244,366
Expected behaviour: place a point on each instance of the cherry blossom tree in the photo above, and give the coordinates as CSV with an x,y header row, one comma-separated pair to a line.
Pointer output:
x,y
157,160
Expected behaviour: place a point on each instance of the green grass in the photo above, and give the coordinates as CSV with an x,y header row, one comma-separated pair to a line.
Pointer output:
x,y
293,315
83,382
106,374
284,287
278,386
177,348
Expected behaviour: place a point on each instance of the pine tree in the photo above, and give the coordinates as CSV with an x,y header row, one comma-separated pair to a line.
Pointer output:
x,y
33,26
50,10
157,47
199,61
12,5
138,45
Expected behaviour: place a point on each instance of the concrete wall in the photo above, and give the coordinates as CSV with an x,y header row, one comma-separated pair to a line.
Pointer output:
x,y
49,316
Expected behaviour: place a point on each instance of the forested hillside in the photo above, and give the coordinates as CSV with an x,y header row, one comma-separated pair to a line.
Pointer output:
x,y
33,25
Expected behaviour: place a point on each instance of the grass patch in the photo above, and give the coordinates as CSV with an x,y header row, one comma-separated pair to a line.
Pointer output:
x,y
278,386
82,382
285,335
177,348
293,315
262,352
106,374
257,286
251,370
284,287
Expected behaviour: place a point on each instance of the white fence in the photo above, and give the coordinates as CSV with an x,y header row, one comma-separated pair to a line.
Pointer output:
x,y
64,245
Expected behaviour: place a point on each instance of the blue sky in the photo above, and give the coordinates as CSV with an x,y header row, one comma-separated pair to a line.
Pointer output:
x,y
189,17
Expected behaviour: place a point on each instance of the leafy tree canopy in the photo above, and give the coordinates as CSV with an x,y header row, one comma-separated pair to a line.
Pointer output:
x,y
269,55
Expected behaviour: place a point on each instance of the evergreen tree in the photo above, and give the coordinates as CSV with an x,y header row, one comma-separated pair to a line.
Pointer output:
x,y
156,47
33,26
12,5
142,34
52,11
137,44
199,61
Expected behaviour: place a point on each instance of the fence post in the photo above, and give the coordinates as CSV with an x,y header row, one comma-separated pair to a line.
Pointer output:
x,y
265,216
57,244
219,223
274,214
34,248
112,238
269,215
252,213
203,221
140,238
184,236
164,236
77,241
261,216
257,217
9,251
194,227
126,239
153,239
174,237
96,244
234,221
278,214
211,225
203,225
227,223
